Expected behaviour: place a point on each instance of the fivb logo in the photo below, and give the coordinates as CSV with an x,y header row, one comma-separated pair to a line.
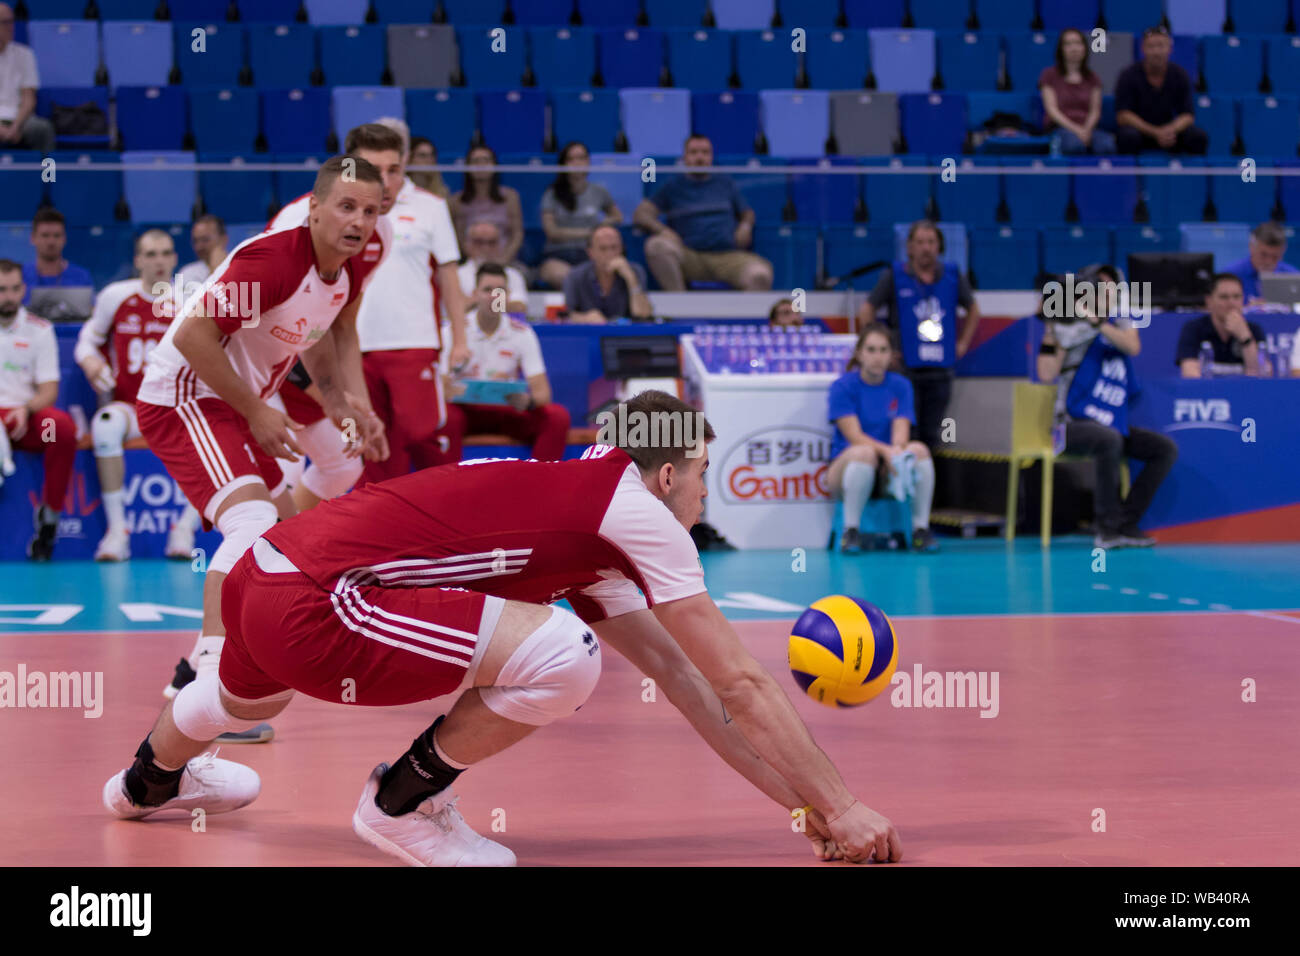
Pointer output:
x,y
220,300
1086,299
652,430
1212,413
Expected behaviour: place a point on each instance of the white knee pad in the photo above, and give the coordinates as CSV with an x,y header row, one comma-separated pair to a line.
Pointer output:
x,y
550,675
199,714
331,473
240,526
108,430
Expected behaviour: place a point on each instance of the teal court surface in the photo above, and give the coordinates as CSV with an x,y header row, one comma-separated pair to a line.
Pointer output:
x,y
1134,708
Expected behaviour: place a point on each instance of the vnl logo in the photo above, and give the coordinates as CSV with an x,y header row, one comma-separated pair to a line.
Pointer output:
x,y
133,910
1197,413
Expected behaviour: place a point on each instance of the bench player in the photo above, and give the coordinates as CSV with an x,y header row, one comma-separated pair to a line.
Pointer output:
x,y
128,321
204,403
430,584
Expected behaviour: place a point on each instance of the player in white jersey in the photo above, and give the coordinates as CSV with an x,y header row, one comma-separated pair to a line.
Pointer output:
x,y
204,403
129,319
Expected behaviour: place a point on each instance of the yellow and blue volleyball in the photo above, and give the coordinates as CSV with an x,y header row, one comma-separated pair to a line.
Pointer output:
x,y
843,651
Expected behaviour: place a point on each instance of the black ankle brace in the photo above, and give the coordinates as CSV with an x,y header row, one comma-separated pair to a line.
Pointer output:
x,y
417,775
147,784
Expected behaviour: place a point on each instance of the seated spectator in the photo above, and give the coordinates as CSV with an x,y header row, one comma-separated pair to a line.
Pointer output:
x,y
484,199
783,315
209,239
608,286
50,270
20,127
505,349
1267,247
29,384
485,247
709,225
871,409
931,291
571,208
1072,99
1076,354
1153,102
1224,329
423,153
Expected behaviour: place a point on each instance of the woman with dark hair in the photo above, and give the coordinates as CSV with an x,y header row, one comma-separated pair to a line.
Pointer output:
x,y
484,199
423,153
571,210
1072,99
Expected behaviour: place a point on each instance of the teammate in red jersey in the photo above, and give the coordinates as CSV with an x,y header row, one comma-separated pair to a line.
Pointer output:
x,y
204,403
430,584
129,320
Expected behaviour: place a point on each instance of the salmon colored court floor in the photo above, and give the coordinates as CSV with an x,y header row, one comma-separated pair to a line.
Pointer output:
x,y
1133,714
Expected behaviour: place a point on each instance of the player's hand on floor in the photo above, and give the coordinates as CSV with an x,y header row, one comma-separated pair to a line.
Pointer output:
x,y
273,431
816,830
860,830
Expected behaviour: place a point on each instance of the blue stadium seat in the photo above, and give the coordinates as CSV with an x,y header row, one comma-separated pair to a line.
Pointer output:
x,y
1071,248
874,14
1258,16
656,121
240,195
765,60
699,59
1027,55
282,54
1289,193
290,184
18,197
588,116
85,197
980,107
67,53
792,250
970,199
903,60
838,59
354,105
467,12
1005,15
296,120
1284,63
447,117
1105,199
766,193
151,117
969,61
224,119
103,248
563,56
47,97
15,235
352,55
137,54
1196,17
846,248
513,121
1217,115
1232,64
625,188
956,243
219,60
1036,199
1173,199
895,198
1131,239
160,194
1237,201
1005,258
405,11
260,11
797,123
676,13
124,9
214,11
485,64
1226,241
62,9
609,13
633,57
728,118
933,122
543,13
530,186
1058,15
1270,127
336,12
1132,16
826,198
743,14
940,14
809,14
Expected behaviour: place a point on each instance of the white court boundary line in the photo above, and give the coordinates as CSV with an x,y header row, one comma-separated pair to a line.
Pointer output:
x,y
1274,617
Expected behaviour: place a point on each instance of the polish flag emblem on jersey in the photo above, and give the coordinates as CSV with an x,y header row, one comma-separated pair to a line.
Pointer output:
x,y
337,299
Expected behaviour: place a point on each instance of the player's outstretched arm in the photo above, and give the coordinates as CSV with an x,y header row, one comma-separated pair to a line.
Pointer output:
x,y
770,723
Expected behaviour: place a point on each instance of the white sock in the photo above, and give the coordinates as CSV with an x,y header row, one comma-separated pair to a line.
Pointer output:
x,y
924,496
858,481
189,518
114,508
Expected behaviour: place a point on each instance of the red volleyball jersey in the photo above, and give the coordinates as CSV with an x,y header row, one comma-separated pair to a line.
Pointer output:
x,y
126,325
587,530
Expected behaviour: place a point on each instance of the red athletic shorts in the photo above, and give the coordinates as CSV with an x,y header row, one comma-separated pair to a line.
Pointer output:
x,y
359,644
206,447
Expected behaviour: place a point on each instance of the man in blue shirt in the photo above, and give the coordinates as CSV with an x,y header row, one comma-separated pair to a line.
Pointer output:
x,y
707,230
1267,247
50,269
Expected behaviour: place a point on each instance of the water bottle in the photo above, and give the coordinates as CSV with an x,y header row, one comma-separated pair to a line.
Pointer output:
x,y
1207,360
1282,360
1266,353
